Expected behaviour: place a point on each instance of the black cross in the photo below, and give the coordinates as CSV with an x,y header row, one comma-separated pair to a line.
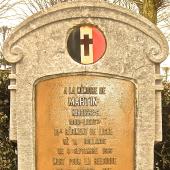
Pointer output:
x,y
86,42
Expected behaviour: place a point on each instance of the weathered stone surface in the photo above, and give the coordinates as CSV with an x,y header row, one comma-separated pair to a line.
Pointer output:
x,y
37,49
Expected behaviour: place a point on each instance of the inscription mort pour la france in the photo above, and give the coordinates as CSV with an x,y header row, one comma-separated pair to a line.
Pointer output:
x,y
85,118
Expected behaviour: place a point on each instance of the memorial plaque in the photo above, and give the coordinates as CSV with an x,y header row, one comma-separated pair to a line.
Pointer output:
x,y
85,122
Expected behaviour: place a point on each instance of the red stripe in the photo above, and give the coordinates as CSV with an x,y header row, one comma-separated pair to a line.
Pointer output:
x,y
99,44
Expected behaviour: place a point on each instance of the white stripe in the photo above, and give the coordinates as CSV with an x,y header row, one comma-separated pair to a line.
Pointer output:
x,y
87,59
86,31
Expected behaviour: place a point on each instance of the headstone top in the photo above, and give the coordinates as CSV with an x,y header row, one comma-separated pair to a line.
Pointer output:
x,y
156,53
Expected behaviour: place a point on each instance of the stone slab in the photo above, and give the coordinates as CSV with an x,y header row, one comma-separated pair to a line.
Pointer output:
x,y
85,122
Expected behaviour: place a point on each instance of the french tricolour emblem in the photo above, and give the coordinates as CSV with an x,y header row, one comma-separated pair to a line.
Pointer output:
x,y
86,44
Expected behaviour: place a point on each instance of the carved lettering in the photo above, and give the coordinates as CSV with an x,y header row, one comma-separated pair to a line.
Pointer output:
x,y
82,101
84,122
105,161
57,161
94,141
75,161
85,112
76,131
105,131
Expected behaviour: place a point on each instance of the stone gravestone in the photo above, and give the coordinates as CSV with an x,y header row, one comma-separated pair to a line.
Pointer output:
x,y
85,88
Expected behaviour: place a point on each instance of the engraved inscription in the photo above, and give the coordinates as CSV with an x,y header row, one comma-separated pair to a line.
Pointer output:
x,y
85,123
